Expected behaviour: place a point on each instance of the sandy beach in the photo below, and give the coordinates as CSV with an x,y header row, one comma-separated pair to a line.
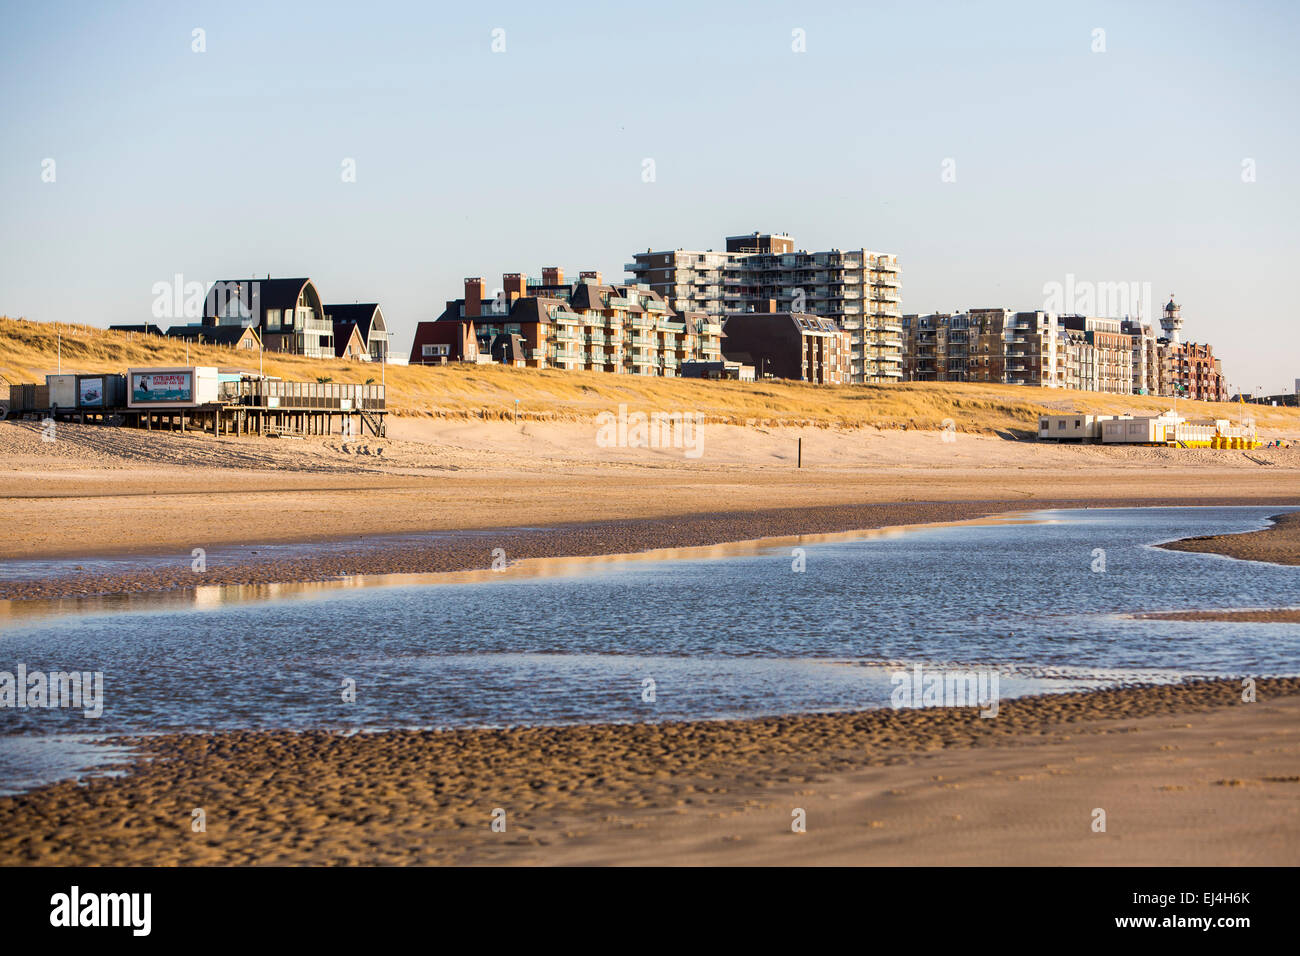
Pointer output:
x,y
544,491
1186,775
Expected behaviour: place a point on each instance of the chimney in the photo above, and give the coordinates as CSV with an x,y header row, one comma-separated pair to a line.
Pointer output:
x,y
552,275
473,298
766,305
515,285
593,276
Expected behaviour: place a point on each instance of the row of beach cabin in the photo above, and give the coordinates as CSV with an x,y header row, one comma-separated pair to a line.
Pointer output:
x,y
1167,428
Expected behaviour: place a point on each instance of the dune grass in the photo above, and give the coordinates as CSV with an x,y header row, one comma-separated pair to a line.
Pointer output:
x,y
29,350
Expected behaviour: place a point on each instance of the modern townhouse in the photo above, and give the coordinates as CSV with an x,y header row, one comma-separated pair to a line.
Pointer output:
x,y
287,313
368,320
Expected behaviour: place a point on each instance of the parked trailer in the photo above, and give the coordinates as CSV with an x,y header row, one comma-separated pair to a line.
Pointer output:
x,y
1075,427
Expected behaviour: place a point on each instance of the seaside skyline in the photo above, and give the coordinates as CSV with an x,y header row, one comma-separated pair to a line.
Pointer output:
x,y
230,161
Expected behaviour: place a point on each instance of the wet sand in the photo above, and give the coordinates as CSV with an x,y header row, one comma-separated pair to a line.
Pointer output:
x,y
329,560
1186,774
1279,544
1282,615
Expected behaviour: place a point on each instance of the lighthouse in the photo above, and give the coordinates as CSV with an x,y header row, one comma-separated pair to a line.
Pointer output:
x,y
1172,321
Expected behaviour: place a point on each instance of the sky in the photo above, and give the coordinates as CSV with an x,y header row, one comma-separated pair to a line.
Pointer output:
x,y
388,150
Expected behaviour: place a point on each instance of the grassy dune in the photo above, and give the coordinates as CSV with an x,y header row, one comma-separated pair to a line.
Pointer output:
x,y
28,352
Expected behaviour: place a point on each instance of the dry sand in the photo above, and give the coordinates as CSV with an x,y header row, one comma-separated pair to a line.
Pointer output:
x,y
1185,774
99,491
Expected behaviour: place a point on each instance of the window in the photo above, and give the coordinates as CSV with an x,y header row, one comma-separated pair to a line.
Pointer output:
x,y
432,351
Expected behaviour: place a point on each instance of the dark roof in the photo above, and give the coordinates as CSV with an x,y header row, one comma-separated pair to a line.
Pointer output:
x,y
362,315
589,295
272,293
343,335
802,321
533,308
210,334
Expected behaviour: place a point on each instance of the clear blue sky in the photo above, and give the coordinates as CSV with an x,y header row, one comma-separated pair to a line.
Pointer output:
x,y
1117,166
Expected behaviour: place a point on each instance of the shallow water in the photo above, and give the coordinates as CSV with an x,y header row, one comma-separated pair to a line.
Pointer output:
x,y
719,637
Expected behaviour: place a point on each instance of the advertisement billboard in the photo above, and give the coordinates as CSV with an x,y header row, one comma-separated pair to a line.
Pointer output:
x,y
161,387
90,393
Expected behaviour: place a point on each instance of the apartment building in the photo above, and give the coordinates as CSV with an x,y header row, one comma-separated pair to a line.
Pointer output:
x,y
1081,370
1195,373
1146,357
1035,350
987,356
1021,348
587,325
955,347
858,289
1107,351
794,345
927,356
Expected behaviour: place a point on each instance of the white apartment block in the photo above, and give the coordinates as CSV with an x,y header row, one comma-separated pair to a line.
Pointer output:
x,y
858,288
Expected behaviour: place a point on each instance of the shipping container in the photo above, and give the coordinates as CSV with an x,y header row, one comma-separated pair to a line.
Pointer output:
x,y
63,390
185,386
97,390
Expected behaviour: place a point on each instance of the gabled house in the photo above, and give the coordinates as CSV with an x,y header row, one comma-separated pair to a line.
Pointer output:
x,y
368,319
348,343
444,341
